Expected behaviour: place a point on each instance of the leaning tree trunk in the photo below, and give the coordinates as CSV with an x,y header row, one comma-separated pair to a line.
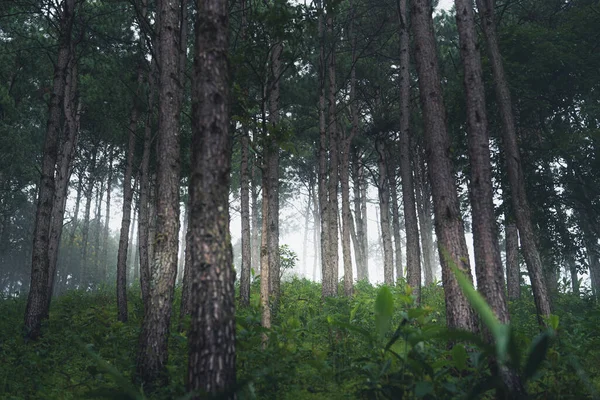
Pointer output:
x,y
413,253
153,351
38,300
513,162
384,214
448,222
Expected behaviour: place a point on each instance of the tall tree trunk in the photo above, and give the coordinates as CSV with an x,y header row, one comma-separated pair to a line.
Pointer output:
x,y
360,248
273,174
384,214
265,271
513,162
255,236
212,334
38,300
448,222
305,231
64,170
488,262
104,258
423,199
153,351
413,253
245,213
392,184
330,276
84,273
316,233
513,278
126,218
99,278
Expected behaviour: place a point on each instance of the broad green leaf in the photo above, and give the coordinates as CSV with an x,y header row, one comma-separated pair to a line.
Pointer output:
x,y
384,309
423,388
459,355
537,353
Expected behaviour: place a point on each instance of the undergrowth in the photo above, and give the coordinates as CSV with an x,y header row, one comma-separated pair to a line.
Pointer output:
x,y
375,345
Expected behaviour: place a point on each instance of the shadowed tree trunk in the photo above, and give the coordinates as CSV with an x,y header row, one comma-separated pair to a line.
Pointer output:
x,y
423,199
126,218
104,258
84,273
448,222
38,300
513,279
212,334
153,351
513,162
488,263
255,237
265,271
361,246
413,253
384,214
395,211
316,233
245,211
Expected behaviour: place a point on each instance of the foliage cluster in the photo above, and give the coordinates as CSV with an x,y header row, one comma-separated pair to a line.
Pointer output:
x,y
375,345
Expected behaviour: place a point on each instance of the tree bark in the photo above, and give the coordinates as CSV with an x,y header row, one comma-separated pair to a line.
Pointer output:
x,y
316,233
360,248
212,334
153,351
423,200
513,278
126,218
265,271
413,253
245,214
38,300
384,214
448,222
513,163
395,211
488,262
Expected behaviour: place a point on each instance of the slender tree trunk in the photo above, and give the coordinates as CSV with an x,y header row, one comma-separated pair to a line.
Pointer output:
x,y
84,274
153,351
64,170
104,258
448,222
98,277
413,253
255,236
265,271
423,199
273,174
362,267
38,300
126,218
245,211
513,162
305,232
330,277
392,184
513,278
384,214
316,233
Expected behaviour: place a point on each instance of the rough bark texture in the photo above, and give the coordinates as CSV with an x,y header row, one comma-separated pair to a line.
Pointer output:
x,y
273,173
413,251
448,222
423,199
245,214
384,215
212,334
64,169
513,279
360,248
488,263
395,211
126,219
330,275
38,300
153,351
513,162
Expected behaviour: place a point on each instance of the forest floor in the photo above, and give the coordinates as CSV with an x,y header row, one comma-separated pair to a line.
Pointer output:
x,y
375,345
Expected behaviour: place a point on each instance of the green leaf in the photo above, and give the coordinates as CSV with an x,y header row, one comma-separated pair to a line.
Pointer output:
x,y
537,354
422,389
384,309
552,321
459,355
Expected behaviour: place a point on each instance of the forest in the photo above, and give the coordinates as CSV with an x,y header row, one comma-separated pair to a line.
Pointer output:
x,y
277,199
